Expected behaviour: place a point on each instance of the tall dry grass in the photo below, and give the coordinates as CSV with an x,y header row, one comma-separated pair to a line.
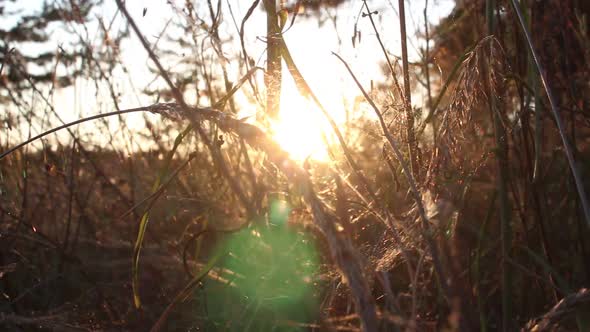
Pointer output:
x,y
467,214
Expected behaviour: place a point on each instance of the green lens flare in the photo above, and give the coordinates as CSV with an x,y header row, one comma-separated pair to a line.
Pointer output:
x,y
279,213
270,271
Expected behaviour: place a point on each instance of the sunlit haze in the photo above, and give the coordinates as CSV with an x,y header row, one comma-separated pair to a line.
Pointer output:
x,y
301,128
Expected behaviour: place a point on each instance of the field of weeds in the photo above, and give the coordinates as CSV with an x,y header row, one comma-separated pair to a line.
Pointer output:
x,y
445,191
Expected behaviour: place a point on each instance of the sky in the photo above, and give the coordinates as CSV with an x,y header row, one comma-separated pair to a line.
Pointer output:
x,y
310,43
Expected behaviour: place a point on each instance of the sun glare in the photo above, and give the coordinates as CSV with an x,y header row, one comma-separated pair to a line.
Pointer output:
x,y
301,128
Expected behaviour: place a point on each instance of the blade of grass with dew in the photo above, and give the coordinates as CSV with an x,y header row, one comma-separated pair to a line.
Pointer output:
x,y
538,126
532,86
146,216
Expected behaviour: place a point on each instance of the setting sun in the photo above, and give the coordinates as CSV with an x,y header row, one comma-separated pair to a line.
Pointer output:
x,y
299,128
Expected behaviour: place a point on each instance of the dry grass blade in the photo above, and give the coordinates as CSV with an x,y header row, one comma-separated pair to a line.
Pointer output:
x,y
443,91
410,134
407,172
67,125
567,305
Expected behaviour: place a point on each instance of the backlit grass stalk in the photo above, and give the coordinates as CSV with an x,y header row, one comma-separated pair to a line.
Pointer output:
x,y
70,124
538,122
427,68
70,182
483,325
396,84
273,75
244,51
502,159
406,93
218,47
411,181
444,89
410,134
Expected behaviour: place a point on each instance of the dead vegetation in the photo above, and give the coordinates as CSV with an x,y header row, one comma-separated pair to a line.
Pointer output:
x,y
466,213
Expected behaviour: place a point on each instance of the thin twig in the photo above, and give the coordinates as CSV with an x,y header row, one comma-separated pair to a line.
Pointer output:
x,y
385,53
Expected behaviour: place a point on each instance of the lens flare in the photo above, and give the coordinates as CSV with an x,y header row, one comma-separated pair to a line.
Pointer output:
x,y
272,268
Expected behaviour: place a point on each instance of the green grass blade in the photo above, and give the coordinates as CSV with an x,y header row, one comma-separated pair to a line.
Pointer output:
x,y
538,126
477,265
561,282
146,216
